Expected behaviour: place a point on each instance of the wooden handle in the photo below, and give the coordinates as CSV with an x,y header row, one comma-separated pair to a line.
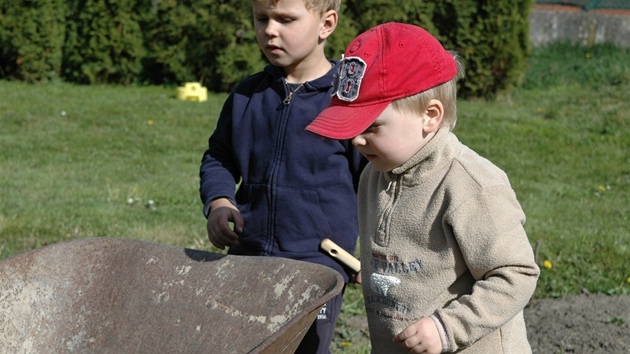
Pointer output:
x,y
337,252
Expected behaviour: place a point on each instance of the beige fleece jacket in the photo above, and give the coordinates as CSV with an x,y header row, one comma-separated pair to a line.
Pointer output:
x,y
442,235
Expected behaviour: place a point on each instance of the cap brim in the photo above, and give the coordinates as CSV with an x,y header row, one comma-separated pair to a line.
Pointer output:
x,y
345,121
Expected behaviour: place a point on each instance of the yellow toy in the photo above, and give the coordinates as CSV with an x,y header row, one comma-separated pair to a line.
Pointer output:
x,y
192,91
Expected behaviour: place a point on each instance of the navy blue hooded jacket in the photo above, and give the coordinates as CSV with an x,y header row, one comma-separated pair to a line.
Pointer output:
x,y
296,188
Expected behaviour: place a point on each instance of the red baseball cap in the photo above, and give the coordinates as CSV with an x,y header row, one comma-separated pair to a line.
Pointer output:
x,y
386,63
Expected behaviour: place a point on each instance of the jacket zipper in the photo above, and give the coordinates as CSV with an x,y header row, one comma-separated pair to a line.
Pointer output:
x,y
382,235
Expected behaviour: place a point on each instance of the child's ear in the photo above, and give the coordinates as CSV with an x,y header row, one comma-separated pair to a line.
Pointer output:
x,y
329,23
433,116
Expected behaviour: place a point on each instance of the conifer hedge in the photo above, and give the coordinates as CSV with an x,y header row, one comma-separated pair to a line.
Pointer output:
x,y
31,39
212,41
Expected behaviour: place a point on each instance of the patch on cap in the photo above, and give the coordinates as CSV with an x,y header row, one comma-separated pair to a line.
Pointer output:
x,y
349,79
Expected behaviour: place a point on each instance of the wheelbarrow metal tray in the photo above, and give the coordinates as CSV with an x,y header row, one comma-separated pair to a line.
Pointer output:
x,y
114,295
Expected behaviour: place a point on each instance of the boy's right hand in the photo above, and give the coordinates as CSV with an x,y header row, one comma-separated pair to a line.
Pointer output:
x,y
222,212
421,337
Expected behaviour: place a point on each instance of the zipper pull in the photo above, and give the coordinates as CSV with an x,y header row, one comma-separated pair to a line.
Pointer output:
x,y
287,99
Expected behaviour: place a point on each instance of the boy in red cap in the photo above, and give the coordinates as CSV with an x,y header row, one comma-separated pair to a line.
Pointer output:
x,y
446,263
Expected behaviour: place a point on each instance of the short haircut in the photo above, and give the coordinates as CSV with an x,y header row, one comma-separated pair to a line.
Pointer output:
x,y
318,6
445,93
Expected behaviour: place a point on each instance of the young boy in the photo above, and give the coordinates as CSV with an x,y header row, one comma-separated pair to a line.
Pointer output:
x,y
295,188
446,264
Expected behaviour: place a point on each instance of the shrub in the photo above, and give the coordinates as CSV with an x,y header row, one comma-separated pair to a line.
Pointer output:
x,y
493,39
31,39
491,36
374,12
165,25
104,42
227,50
213,41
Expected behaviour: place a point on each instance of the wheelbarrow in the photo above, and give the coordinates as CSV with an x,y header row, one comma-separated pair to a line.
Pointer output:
x,y
113,295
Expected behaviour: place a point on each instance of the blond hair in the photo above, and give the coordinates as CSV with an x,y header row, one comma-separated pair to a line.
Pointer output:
x,y
445,93
318,6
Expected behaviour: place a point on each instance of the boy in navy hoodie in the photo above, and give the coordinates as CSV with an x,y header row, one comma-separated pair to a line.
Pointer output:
x,y
295,188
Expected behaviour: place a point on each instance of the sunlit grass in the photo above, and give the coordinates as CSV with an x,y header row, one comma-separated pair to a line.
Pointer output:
x,y
73,156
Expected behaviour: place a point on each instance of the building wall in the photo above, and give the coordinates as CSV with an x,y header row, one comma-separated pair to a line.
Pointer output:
x,y
561,23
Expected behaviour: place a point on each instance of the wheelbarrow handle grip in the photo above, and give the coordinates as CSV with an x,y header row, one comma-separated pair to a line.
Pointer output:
x,y
339,253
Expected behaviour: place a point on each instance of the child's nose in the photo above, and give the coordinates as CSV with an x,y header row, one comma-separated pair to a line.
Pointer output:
x,y
358,140
272,28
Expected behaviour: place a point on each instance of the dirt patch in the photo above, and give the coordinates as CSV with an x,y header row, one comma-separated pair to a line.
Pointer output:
x,y
588,323
581,324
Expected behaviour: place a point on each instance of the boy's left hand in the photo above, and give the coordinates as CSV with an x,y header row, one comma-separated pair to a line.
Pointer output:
x,y
421,337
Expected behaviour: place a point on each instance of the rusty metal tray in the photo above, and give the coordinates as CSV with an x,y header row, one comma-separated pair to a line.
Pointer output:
x,y
114,295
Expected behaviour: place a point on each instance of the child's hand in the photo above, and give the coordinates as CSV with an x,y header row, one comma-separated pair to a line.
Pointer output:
x,y
219,231
421,337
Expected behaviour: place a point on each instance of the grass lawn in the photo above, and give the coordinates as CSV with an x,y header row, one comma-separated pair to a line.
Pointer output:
x,y
79,161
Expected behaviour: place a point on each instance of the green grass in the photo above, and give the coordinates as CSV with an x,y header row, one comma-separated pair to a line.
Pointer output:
x,y
79,161
82,161
571,171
